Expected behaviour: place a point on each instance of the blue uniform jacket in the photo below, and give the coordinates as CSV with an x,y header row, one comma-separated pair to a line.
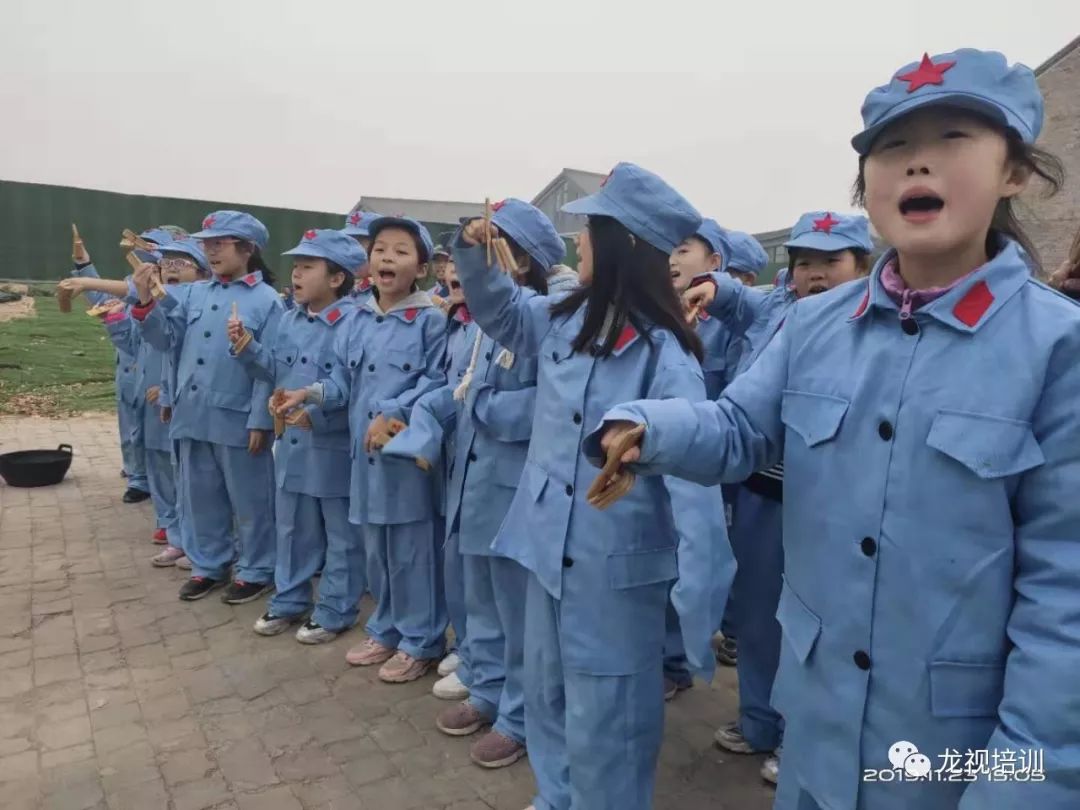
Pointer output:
x,y
931,529
384,362
212,401
752,317
717,363
125,374
311,462
619,563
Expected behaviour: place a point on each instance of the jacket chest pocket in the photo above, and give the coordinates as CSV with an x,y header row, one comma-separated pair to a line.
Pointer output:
x,y
286,354
404,362
960,689
354,356
989,446
194,315
816,418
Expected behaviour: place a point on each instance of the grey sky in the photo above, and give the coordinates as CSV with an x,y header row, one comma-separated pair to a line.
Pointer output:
x,y
745,107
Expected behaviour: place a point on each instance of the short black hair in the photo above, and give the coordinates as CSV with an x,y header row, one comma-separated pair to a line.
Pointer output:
x,y
346,286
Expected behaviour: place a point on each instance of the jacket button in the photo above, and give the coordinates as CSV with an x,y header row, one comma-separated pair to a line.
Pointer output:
x,y
206,334
371,414
868,546
310,319
862,660
407,367
487,355
352,364
303,359
294,441
555,356
567,562
472,456
371,367
371,460
569,490
379,319
885,431
194,388
127,369
201,362
577,418
909,326
214,307
327,366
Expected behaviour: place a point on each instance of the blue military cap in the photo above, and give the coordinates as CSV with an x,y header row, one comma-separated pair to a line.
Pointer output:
x,y
824,230
236,224
159,236
409,224
744,253
335,246
979,81
358,222
714,236
646,205
531,229
190,248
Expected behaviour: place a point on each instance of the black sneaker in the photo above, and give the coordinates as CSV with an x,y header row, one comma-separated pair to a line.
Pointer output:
x,y
135,496
198,587
240,593
727,652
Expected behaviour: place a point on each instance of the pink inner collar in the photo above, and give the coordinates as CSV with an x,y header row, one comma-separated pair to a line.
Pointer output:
x,y
907,299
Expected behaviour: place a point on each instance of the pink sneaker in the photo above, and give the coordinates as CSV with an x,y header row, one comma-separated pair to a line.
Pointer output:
x,y
403,668
369,653
168,557
461,720
160,537
495,750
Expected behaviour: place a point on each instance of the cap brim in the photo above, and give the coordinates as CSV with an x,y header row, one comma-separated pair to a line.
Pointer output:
x,y
964,101
593,205
824,242
355,230
211,234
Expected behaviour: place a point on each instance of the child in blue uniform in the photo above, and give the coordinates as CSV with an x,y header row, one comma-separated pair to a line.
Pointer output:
x,y
219,416
312,464
744,257
599,583
495,401
391,354
357,225
935,608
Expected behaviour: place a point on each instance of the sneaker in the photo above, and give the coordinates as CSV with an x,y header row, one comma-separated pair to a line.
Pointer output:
x,y
495,750
770,769
672,688
730,738
369,653
184,563
403,668
270,625
450,688
167,557
449,664
727,652
461,720
312,633
135,496
240,592
198,587
160,538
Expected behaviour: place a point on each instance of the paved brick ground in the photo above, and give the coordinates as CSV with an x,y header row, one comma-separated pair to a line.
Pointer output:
x,y
113,694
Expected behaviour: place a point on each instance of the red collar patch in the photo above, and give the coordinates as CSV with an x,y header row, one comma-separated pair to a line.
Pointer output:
x,y
411,313
926,73
826,223
365,285
333,316
626,337
970,309
462,314
251,279
863,304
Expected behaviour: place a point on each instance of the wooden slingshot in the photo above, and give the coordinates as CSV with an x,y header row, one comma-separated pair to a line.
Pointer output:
x,y
614,482
277,399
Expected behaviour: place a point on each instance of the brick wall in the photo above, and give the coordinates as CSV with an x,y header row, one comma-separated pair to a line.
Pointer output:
x,y
1053,222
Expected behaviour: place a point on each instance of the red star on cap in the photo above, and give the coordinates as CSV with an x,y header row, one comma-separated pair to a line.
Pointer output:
x,y
498,205
826,223
926,73
354,218
309,234
208,223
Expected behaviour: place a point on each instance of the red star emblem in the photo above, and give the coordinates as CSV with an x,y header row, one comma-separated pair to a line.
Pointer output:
x,y
498,205
354,218
926,73
310,234
826,223
333,315
208,223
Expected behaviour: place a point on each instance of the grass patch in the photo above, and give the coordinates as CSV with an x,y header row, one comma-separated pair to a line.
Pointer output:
x,y
52,364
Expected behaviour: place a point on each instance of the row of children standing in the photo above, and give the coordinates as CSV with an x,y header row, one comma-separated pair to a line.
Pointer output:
x,y
612,596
